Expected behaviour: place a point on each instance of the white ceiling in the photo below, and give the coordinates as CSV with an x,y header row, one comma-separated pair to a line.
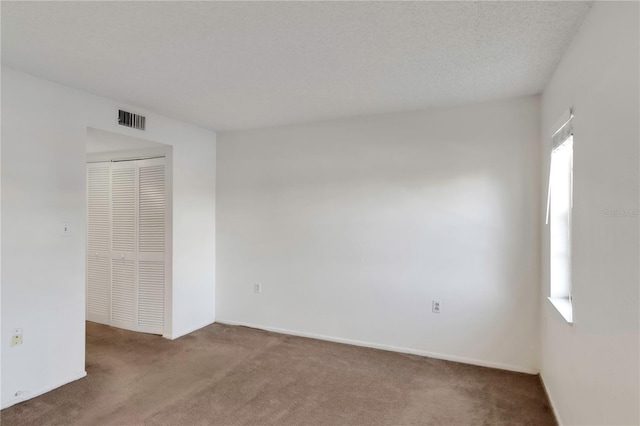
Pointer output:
x,y
236,65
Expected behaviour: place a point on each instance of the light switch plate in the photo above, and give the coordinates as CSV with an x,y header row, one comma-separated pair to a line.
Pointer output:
x,y
65,229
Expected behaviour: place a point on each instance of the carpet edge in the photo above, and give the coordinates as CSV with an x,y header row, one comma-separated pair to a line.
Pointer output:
x,y
42,391
436,355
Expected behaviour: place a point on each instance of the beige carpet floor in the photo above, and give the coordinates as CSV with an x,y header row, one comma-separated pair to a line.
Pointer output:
x,y
224,375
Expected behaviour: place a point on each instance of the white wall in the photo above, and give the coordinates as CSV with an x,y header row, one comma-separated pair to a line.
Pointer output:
x,y
100,141
590,369
354,226
44,131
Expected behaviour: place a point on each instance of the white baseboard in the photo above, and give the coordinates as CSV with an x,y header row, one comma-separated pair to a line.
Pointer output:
x,y
191,330
391,348
551,402
39,392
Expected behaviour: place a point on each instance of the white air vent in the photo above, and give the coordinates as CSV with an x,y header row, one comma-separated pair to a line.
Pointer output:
x,y
130,119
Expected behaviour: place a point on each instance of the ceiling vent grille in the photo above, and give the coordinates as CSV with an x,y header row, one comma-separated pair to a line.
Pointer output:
x,y
132,120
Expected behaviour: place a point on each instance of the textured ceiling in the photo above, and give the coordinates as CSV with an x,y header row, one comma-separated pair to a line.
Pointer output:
x,y
236,65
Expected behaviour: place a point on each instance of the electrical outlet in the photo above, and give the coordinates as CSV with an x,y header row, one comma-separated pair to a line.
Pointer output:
x,y
435,306
16,339
257,288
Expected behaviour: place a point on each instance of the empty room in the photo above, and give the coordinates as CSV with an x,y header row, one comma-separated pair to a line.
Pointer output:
x,y
320,213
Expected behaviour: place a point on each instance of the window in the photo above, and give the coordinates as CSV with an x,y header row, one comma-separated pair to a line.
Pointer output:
x,y
559,219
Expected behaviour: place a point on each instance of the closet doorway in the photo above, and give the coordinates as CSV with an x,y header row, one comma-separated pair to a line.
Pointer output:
x,y
128,232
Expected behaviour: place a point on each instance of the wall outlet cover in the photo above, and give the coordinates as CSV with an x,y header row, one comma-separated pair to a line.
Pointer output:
x,y
16,339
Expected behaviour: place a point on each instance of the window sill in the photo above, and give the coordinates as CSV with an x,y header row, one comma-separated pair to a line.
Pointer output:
x,y
563,305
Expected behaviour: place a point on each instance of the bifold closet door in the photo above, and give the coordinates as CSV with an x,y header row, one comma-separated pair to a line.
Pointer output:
x,y
151,245
124,176
99,242
126,244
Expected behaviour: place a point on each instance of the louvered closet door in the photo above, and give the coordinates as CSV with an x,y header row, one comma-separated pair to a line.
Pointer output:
x,y
151,245
124,176
99,242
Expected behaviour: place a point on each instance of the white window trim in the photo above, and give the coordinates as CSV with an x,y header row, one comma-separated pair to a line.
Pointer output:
x,y
564,305
563,130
